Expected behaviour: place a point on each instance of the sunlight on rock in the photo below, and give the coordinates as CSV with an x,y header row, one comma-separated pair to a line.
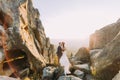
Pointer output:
x,y
93,71
26,52
56,60
27,78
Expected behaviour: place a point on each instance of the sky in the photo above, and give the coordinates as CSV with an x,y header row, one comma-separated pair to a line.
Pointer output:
x,y
76,19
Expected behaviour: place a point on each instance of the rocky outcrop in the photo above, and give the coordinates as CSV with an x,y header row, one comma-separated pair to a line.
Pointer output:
x,y
106,63
80,68
79,73
82,55
94,53
103,36
48,72
81,64
22,37
7,78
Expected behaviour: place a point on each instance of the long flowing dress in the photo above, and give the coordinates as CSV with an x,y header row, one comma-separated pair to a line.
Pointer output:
x,y
64,61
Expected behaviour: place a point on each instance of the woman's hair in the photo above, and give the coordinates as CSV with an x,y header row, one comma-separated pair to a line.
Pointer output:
x,y
63,44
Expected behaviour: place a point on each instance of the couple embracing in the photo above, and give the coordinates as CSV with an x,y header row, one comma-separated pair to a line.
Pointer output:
x,y
62,57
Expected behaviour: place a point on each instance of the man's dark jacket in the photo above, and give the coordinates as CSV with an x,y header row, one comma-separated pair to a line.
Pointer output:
x,y
59,51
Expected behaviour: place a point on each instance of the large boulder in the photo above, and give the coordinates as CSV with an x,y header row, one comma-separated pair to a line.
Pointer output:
x,y
103,36
79,74
89,77
82,67
93,54
48,72
107,62
22,36
69,77
82,55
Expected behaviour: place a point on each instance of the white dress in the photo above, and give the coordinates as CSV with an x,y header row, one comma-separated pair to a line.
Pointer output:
x,y
64,61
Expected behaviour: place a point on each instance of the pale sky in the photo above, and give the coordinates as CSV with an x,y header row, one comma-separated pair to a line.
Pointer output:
x,y
76,19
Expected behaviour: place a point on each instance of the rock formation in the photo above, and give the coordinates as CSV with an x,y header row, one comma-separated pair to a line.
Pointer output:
x,y
81,64
83,55
22,37
70,77
106,61
103,36
25,49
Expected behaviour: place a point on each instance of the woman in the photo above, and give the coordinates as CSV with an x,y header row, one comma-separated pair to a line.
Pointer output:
x,y
64,60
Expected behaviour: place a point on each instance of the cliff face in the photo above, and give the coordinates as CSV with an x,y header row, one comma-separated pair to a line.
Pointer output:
x,y
105,45
103,36
22,36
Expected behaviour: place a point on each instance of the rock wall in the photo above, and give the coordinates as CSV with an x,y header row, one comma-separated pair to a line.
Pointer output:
x,y
22,35
105,54
83,55
103,36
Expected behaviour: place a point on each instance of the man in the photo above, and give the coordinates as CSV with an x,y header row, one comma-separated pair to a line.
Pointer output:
x,y
59,51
